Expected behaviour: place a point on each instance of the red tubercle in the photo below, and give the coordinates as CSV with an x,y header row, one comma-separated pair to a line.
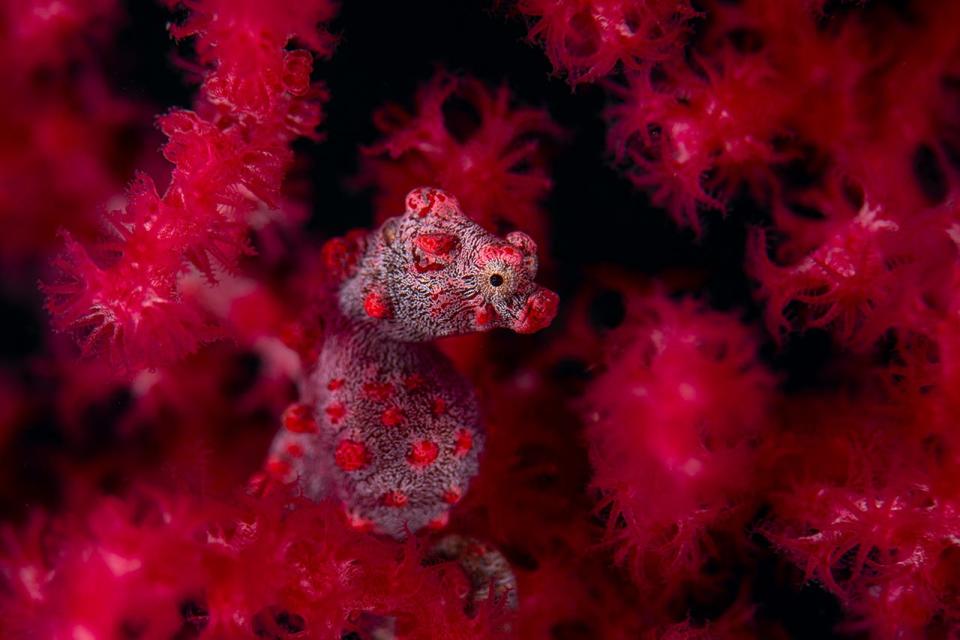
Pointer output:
x,y
438,406
277,468
463,444
484,315
351,455
452,495
392,417
298,418
426,201
423,453
523,242
335,411
377,306
505,253
538,312
438,244
335,383
294,450
440,522
420,202
395,499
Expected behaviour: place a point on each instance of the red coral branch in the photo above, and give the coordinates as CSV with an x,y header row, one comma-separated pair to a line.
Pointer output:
x,y
229,158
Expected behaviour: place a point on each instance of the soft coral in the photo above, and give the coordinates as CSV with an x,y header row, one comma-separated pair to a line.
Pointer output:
x,y
673,424
694,135
156,563
588,39
229,160
471,140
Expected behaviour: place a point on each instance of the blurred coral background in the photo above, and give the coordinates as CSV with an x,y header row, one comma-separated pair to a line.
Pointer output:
x,y
744,422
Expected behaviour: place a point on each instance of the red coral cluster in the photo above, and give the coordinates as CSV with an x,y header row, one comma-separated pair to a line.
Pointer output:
x,y
674,424
62,120
586,39
845,143
157,565
865,506
128,294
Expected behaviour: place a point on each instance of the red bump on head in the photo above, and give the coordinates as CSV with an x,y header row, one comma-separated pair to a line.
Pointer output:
x,y
538,312
438,244
335,412
464,443
423,453
452,495
298,418
376,306
427,200
523,242
334,384
395,499
413,200
505,253
392,417
351,455
438,406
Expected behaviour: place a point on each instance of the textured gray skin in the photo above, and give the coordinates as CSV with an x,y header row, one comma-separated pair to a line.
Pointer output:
x,y
363,357
379,389
428,302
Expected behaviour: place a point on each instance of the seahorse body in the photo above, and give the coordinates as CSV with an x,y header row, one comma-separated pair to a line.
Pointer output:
x,y
395,431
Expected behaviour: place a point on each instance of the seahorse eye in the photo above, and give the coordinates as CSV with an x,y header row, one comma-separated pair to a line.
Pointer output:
x,y
496,280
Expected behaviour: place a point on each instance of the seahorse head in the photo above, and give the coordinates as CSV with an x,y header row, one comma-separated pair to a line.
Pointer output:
x,y
433,272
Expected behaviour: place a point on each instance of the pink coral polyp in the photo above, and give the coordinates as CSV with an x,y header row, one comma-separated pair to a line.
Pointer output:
x,y
587,39
673,423
497,167
228,164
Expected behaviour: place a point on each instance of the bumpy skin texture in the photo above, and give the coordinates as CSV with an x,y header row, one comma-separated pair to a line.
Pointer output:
x,y
433,272
388,425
